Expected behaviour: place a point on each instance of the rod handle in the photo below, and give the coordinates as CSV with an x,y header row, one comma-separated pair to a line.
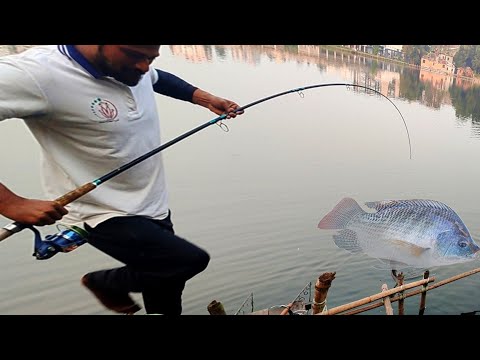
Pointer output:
x,y
75,194
10,229
63,200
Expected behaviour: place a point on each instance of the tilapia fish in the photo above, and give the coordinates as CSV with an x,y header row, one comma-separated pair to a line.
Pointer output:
x,y
402,233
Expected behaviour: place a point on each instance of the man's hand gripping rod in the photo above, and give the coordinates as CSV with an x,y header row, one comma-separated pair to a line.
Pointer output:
x,y
15,227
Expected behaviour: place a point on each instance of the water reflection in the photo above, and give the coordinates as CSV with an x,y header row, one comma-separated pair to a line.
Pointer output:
x,y
391,79
394,80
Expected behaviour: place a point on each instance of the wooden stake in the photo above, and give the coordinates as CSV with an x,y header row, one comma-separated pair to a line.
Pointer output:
x,y
424,294
386,301
216,308
322,285
401,310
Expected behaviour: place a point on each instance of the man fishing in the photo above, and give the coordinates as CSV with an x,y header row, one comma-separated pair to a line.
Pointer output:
x,y
92,109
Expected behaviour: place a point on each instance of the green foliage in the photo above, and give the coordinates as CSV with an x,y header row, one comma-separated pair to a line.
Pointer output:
x,y
468,55
465,102
292,48
411,88
414,53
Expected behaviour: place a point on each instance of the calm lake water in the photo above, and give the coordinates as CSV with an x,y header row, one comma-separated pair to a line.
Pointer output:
x,y
253,196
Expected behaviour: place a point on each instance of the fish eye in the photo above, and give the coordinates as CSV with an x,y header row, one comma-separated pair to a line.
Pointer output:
x,y
462,243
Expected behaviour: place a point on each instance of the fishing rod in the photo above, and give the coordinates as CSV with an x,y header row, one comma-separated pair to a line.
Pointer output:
x,y
67,242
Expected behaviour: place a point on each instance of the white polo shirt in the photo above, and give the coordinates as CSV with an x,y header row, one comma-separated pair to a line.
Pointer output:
x,y
87,126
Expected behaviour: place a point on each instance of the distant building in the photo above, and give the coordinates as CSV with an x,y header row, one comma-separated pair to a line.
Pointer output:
x,y
394,51
390,51
465,72
438,62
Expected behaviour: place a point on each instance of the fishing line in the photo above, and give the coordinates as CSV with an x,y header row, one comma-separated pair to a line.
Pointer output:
x,y
347,85
15,227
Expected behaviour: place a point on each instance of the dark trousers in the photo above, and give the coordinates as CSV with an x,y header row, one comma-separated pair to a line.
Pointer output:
x,y
157,262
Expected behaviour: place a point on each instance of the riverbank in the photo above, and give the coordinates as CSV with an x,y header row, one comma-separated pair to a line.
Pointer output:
x,y
371,56
475,79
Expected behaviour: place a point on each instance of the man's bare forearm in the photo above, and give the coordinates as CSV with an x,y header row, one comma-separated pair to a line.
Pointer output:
x,y
7,197
214,103
29,211
201,97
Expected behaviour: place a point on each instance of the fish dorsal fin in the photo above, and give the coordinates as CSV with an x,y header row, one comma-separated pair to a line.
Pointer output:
x,y
385,204
341,214
406,246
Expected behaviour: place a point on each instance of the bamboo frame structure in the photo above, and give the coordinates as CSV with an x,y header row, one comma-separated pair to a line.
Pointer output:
x,y
375,297
384,298
416,292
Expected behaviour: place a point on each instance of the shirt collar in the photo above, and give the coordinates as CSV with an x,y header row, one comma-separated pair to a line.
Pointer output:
x,y
71,52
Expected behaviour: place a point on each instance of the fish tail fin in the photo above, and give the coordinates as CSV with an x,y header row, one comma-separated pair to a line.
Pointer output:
x,y
340,215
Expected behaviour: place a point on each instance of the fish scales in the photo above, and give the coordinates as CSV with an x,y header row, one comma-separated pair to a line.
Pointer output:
x,y
416,233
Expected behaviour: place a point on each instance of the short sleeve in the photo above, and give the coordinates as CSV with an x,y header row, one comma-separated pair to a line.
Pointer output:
x,y
20,94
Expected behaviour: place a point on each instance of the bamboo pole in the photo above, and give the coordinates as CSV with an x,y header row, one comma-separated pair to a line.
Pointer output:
x,y
386,301
375,297
401,309
322,285
415,292
365,308
216,308
424,294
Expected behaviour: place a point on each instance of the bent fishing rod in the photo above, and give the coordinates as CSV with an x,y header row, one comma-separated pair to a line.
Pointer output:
x,y
69,197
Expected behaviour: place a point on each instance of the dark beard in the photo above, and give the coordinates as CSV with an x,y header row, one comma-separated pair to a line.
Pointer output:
x,y
124,75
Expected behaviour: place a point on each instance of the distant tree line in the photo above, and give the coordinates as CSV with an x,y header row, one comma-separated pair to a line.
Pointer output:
x,y
468,55
414,53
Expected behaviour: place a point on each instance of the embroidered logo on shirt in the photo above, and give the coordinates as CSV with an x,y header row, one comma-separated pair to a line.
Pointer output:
x,y
104,110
